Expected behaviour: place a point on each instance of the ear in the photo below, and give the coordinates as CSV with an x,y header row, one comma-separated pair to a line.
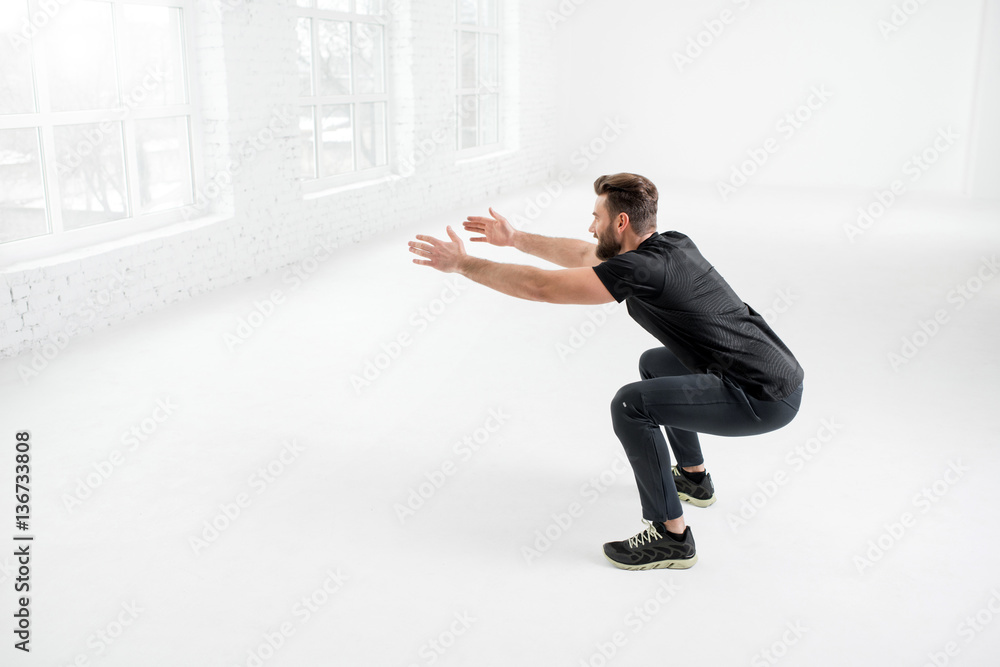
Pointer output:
x,y
622,222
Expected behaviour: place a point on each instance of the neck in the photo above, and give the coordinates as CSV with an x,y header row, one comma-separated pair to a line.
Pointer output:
x,y
632,242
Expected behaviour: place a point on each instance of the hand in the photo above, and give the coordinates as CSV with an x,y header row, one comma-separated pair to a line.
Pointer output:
x,y
495,230
441,255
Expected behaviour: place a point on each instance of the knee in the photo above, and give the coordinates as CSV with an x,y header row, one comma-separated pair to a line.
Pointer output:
x,y
626,402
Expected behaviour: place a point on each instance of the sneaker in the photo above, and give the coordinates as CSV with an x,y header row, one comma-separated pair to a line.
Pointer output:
x,y
652,548
699,495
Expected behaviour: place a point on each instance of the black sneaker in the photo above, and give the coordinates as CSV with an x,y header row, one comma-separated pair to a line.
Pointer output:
x,y
652,548
699,495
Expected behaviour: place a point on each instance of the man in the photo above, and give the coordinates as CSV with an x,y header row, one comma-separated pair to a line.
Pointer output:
x,y
721,369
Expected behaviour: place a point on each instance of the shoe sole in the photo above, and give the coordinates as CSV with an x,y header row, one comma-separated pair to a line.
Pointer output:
x,y
677,564
697,502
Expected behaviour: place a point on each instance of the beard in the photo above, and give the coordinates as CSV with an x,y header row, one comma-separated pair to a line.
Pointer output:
x,y
607,246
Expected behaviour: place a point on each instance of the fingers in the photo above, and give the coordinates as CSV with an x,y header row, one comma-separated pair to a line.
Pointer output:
x,y
423,250
428,239
487,221
420,248
430,247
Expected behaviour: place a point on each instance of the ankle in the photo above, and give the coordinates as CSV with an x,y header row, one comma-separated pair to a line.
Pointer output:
x,y
698,468
695,476
675,526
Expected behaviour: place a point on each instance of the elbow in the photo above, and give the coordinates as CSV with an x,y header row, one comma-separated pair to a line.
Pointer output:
x,y
539,288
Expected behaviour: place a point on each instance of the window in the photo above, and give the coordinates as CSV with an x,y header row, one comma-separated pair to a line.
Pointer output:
x,y
478,94
95,115
343,96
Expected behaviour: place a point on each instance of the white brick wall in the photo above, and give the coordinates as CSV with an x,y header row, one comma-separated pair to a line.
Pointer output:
x,y
256,218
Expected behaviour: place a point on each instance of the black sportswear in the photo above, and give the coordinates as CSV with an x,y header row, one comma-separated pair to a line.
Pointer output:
x,y
676,295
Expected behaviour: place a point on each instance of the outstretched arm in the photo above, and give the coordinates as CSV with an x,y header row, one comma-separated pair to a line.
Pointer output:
x,y
577,285
564,252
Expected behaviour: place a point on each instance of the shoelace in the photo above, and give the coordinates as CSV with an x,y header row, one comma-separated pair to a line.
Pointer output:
x,y
647,535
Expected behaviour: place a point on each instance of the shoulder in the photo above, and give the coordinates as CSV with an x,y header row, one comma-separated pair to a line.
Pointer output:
x,y
661,245
673,238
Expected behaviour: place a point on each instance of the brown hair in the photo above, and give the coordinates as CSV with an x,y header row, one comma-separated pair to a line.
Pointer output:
x,y
632,195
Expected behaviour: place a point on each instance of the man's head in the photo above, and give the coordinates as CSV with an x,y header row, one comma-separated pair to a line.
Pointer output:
x,y
625,211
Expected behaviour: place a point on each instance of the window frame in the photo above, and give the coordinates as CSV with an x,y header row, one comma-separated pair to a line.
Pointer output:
x,y
315,101
481,89
44,121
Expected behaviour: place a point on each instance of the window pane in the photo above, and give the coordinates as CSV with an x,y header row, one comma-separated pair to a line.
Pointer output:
x,y
335,5
307,137
16,87
467,11
152,61
468,111
489,119
337,140
164,150
488,62
467,60
91,172
22,197
335,56
488,13
369,7
304,59
371,135
80,54
368,51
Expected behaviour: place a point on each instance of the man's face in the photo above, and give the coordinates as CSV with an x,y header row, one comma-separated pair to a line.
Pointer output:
x,y
608,242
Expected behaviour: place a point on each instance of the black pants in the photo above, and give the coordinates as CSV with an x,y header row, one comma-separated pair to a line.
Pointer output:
x,y
685,404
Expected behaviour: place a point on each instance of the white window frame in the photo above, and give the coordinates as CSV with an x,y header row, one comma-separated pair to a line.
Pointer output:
x,y
58,240
463,154
320,183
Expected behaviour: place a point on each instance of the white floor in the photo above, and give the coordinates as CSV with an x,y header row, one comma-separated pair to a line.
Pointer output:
x,y
834,560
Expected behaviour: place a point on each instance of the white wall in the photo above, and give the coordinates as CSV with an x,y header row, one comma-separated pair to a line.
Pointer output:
x,y
892,87
984,162
259,220
590,86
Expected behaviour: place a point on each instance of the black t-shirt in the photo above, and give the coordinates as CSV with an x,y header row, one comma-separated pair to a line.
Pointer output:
x,y
678,297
